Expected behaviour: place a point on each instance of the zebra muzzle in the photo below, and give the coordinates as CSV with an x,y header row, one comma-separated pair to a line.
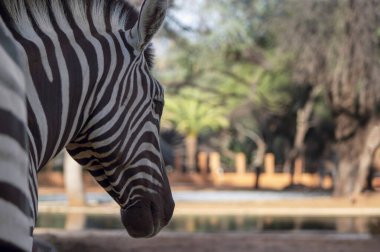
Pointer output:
x,y
145,218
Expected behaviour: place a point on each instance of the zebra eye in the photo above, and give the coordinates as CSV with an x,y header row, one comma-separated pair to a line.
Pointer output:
x,y
158,107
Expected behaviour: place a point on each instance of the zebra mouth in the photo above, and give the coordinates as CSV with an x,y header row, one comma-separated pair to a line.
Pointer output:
x,y
142,219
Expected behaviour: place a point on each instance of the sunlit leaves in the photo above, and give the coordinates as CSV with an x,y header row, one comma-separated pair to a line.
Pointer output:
x,y
192,112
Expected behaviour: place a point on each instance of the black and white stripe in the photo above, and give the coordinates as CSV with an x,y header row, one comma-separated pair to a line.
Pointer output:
x,y
15,214
88,88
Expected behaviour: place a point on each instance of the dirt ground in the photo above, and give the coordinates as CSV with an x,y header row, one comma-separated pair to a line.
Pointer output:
x,y
97,241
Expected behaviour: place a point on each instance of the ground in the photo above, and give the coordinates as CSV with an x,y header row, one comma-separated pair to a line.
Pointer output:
x,y
96,241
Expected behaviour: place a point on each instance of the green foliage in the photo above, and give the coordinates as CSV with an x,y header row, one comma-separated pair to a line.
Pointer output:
x,y
275,90
233,62
192,112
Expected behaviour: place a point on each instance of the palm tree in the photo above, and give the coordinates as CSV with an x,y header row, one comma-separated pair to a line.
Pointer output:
x,y
191,113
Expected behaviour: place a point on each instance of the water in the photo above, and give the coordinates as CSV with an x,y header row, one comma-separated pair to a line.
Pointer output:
x,y
201,196
238,196
215,224
218,224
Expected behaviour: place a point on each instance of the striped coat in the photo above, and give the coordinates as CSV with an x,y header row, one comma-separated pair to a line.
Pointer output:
x,y
85,84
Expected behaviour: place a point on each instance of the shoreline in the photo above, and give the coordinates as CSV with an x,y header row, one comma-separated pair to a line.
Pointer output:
x,y
207,210
367,205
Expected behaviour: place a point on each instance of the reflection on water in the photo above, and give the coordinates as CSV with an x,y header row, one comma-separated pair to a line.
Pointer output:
x,y
214,224
75,221
262,224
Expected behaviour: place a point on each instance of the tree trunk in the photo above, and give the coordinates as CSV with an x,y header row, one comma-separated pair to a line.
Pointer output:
x,y
355,160
345,175
191,152
303,125
73,181
258,161
366,158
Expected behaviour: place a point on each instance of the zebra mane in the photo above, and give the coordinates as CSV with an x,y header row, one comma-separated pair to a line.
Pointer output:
x,y
106,14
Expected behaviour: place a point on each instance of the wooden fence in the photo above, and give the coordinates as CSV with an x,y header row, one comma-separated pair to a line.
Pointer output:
x,y
211,173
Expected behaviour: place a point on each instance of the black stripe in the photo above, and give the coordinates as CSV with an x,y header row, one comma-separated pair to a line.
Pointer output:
x,y
75,82
8,247
92,60
128,173
48,93
97,173
106,55
147,137
15,196
140,106
106,98
139,182
32,185
13,127
39,77
107,18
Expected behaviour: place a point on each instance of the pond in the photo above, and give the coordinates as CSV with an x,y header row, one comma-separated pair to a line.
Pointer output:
x,y
217,224
202,196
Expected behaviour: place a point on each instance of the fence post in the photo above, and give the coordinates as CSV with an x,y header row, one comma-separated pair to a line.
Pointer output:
x,y
177,161
202,163
298,170
73,181
240,163
215,163
269,163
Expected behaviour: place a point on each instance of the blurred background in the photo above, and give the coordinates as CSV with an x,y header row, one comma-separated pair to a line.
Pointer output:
x,y
270,134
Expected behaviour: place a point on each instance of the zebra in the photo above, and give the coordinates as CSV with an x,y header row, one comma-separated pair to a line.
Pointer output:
x,y
84,74
14,208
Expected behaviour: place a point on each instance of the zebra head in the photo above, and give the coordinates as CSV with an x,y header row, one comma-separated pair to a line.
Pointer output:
x,y
122,137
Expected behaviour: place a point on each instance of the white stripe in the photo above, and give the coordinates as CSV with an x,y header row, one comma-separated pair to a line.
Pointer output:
x,y
65,79
142,162
12,103
13,163
26,31
37,109
151,178
140,175
10,72
15,226
130,194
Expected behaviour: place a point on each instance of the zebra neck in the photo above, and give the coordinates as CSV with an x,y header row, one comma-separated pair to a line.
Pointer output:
x,y
75,55
71,78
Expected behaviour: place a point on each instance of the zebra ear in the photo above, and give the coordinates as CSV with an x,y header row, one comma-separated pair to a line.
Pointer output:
x,y
151,17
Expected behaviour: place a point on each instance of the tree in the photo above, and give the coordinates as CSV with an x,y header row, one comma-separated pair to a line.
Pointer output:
x,y
304,116
232,59
336,44
192,113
